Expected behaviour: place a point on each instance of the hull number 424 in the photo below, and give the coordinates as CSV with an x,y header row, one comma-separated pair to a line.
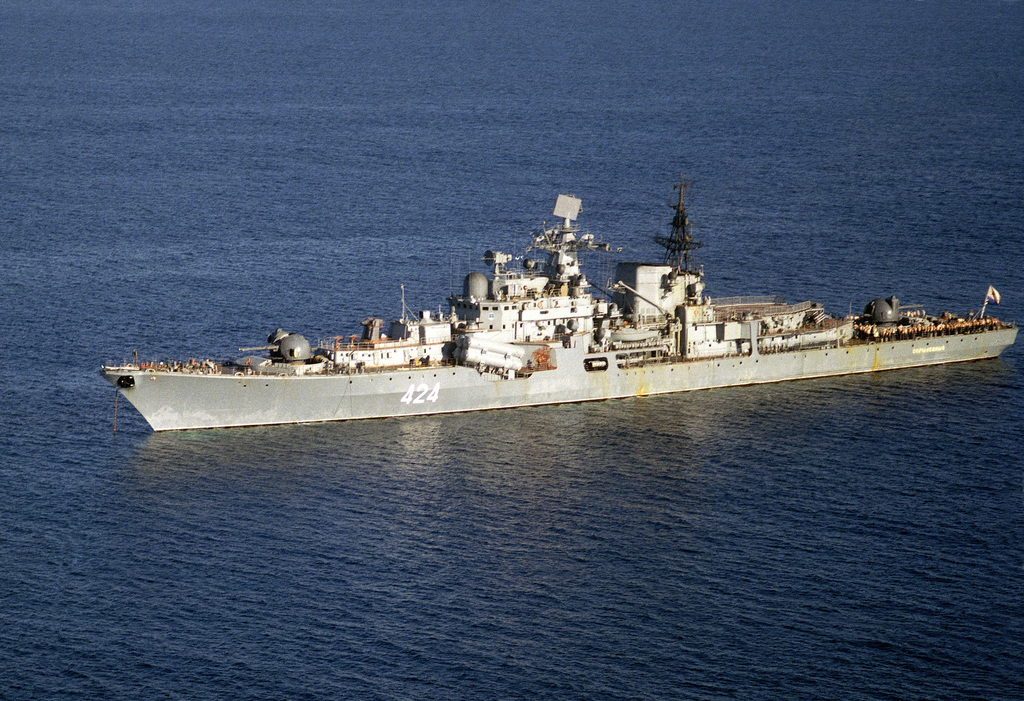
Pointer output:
x,y
421,394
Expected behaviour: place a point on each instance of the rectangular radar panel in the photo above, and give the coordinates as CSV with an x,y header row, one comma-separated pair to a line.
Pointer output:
x,y
568,207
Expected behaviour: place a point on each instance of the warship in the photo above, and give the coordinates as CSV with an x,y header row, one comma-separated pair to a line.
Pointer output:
x,y
533,332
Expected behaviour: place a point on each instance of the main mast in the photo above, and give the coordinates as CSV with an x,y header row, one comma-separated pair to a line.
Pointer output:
x,y
679,244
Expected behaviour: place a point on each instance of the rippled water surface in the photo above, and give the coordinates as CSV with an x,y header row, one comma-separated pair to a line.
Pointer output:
x,y
181,178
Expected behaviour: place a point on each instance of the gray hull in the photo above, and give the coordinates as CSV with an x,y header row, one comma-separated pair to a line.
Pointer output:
x,y
176,400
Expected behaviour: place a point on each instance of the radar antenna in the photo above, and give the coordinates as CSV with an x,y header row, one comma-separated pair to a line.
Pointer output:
x,y
680,243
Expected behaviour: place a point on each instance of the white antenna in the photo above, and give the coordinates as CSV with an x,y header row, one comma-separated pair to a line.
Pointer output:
x,y
568,208
405,309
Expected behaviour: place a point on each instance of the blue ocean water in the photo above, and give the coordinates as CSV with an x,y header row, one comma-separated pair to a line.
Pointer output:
x,y
179,178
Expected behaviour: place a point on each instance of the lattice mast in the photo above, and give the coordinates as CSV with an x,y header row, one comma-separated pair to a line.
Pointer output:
x,y
680,244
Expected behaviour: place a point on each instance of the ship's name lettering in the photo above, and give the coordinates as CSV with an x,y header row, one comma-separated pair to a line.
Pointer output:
x,y
421,394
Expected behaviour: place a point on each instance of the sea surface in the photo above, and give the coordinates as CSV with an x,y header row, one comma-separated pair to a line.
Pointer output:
x,y
180,178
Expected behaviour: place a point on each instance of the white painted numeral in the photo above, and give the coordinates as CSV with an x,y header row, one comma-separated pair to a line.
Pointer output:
x,y
407,397
421,394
